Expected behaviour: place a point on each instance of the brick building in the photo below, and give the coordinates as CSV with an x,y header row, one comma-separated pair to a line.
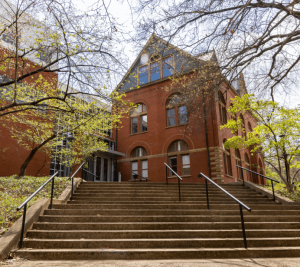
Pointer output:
x,y
156,131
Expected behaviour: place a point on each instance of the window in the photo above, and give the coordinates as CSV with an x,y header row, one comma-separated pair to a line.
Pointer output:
x,y
134,168
171,117
143,74
226,160
145,168
238,161
139,117
222,108
176,105
138,152
178,145
158,69
184,160
182,115
234,117
185,164
139,166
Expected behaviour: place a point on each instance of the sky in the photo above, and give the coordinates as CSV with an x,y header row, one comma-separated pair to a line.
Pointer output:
x,y
121,11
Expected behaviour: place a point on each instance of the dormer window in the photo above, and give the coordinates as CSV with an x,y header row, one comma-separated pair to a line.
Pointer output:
x,y
158,69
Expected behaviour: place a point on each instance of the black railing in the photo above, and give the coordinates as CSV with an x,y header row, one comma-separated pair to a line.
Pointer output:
x,y
179,178
24,204
272,180
241,204
135,176
72,179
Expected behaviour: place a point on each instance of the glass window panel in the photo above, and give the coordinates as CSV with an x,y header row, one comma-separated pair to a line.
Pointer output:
x,y
145,164
186,169
182,115
155,71
144,123
145,173
140,108
171,117
134,166
143,75
186,159
167,66
144,108
134,125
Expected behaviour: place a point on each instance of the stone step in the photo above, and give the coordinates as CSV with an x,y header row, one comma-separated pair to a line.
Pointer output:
x,y
168,218
127,234
179,205
162,225
158,254
160,243
167,212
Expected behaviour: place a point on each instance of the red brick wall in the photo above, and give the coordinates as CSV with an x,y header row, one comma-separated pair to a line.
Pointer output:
x,y
158,138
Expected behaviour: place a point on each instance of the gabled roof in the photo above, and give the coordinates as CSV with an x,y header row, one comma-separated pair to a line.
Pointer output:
x,y
153,38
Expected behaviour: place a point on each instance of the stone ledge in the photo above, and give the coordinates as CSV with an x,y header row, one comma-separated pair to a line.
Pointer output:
x,y
10,240
269,193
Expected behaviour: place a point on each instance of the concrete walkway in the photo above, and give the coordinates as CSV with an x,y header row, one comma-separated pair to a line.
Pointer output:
x,y
277,262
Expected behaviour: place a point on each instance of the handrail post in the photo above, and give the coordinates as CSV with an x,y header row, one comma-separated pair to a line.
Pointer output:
x,y
207,199
52,188
179,189
72,188
23,226
273,191
243,178
166,175
243,225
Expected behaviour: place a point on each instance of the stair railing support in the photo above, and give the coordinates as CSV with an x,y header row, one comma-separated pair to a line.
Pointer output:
x,y
243,225
179,189
206,186
23,226
52,189
166,175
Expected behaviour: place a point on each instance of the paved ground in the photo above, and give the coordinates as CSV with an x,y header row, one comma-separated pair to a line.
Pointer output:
x,y
282,262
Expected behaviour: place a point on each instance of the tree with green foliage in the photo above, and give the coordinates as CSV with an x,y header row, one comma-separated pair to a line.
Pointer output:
x,y
276,136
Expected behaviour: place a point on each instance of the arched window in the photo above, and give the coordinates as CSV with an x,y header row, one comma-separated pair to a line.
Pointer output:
x,y
138,166
238,161
227,160
222,108
247,166
180,163
138,117
176,110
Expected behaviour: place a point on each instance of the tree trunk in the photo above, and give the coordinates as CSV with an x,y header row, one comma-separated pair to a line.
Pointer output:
x,y
31,155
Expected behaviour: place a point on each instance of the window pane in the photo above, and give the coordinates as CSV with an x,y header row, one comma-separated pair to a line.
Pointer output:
x,y
145,164
155,71
182,115
171,117
134,125
186,159
186,169
140,108
144,123
167,67
145,173
143,75
134,166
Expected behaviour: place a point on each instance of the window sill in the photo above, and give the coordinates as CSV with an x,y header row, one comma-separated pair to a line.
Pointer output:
x,y
229,176
184,124
138,133
183,176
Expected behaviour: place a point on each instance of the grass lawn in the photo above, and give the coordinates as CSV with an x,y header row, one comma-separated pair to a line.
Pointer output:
x,y
14,191
281,190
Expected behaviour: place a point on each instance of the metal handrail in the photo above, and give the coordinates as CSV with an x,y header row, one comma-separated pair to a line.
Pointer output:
x,y
179,178
272,180
241,204
72,178
141,177
24,204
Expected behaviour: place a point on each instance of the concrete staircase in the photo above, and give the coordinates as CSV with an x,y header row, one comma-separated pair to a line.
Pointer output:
x,y
139,221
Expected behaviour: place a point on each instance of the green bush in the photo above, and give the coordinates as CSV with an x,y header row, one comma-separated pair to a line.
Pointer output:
x,y
14,191
280,189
